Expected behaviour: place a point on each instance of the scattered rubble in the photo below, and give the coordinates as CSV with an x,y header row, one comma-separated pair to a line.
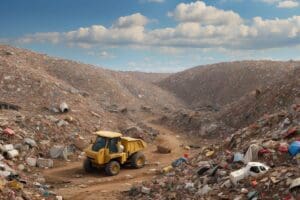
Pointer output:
x,y
255,162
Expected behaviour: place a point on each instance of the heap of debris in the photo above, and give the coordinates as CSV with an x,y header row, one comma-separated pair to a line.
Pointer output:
x,y
260,161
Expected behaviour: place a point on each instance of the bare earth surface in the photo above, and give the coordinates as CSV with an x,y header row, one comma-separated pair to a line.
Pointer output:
x,y
73,183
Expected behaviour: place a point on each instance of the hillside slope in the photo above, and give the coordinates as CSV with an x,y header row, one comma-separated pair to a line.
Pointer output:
x,y
213,86
103,86
270,99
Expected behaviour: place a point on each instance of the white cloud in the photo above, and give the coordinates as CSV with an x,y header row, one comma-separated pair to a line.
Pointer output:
x,y
199,26
283,3
129,21
288,4
201,13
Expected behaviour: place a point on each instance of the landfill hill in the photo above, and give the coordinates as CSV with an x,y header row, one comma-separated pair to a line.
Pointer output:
x,y
241,112
210,87
267,100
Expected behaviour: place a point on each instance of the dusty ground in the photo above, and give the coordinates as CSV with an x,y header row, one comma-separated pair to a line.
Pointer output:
x,y
72,182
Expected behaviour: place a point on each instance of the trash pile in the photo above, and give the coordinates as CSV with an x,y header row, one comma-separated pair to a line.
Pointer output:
x,y
260,161
26,148
201,124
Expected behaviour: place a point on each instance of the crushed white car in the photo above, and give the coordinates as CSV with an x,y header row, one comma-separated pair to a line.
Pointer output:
x,y
252,169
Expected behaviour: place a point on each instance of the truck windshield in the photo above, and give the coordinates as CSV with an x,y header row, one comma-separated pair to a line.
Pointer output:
x,y
99,144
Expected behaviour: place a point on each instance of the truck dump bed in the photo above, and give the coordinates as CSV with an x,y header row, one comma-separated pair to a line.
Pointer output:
x,y
132,145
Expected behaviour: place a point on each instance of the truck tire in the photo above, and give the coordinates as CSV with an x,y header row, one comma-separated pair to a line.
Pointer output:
x,y
87,165
112,168
138,160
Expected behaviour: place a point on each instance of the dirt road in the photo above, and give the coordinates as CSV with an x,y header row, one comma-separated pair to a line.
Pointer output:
x,y
72,182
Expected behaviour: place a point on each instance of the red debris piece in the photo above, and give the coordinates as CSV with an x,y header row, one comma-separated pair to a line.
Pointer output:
x,y
283,149
254,183
263,151
9,132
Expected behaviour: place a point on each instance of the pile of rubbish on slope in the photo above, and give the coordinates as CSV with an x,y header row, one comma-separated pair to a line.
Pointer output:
x,y
31,143
260,161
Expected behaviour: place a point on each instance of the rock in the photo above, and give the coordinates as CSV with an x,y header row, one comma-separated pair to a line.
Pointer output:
x,y
31,161
21,167
59,151
9,53
204,190
30,142
227,184
44,163
12,153
187,147
163,150
6,147
286,122
61,123
244,191
189,185
59,198
145,190
146,108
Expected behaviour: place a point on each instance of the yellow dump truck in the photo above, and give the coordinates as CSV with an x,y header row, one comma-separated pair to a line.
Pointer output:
x,y
111,150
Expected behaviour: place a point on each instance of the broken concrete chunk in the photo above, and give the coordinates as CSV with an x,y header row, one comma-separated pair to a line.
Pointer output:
x,y
204,190
7,147
61,123
145,190
59,151
12,153
31,161
30,142
44,163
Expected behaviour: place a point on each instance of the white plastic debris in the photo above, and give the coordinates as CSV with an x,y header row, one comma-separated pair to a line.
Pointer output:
x,y
252,169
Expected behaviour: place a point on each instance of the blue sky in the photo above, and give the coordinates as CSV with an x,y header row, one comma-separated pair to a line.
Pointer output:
x,y
154,35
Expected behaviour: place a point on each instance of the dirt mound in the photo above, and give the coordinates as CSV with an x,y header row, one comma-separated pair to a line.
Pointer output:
x,y
210,87
268,99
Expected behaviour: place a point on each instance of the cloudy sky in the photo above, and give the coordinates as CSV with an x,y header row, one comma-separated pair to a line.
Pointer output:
x,y
154,35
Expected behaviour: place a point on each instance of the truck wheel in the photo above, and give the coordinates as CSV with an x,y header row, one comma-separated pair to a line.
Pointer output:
x,y
112,168
138,160
87,165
